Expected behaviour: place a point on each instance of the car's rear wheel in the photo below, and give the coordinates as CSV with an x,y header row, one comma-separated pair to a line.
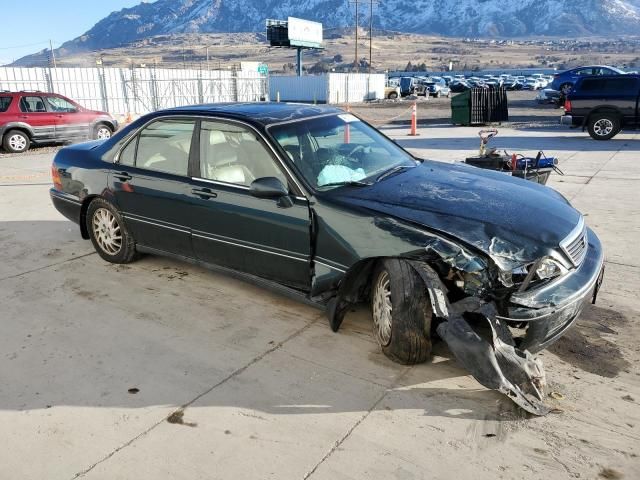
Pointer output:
x,y
603,126
393,96
401,312
566,88
108,233
16,141
102,131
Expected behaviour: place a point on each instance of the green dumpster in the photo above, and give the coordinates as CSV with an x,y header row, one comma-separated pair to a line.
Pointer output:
x,y
461,108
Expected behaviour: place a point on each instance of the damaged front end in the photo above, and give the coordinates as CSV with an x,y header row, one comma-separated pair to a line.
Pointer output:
x,y
483,345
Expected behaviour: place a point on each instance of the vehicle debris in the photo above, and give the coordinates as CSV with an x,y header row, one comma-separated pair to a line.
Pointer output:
x,y
495,362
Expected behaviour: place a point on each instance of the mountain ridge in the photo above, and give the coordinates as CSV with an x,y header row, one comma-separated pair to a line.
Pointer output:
x,y
475,18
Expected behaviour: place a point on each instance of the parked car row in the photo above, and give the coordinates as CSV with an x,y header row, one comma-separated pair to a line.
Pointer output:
x,y
34,117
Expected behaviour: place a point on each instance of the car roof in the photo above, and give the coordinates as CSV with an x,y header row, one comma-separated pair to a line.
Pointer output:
x,y
265,113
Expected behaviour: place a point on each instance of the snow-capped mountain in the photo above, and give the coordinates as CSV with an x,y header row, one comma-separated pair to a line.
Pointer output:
x,y
498,18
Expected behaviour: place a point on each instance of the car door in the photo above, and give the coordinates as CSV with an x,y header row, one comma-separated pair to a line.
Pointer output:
x,y
267,237
72,123
150,183
33,111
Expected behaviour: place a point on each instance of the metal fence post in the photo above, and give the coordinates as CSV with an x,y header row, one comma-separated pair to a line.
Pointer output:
x,y
103,89
124,90
49,78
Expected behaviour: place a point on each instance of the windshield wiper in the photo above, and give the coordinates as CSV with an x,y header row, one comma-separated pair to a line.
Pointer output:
x,y
393,171
350,183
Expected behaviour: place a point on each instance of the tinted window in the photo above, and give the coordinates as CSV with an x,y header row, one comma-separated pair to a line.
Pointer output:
x,y
165,145
621,85
592,85
232,153
4,103
32,105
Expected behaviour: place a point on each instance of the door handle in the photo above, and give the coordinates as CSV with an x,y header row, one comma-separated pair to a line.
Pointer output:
x,y
204,193
123,176
24,117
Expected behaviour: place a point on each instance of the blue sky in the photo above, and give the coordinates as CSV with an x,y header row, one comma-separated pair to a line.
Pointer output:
x,y
31,23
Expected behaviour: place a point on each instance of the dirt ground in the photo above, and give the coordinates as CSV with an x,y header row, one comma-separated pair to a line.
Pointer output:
x,y
159,369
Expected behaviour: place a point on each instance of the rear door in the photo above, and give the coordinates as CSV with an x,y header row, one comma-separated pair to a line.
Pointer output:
x,y
151,185
33,111
231,227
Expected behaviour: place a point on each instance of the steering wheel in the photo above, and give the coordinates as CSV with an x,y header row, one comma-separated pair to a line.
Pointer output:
x,y
353,151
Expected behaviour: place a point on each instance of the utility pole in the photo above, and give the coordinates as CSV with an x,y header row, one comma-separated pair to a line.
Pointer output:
x,y
356,63
53,55
371,31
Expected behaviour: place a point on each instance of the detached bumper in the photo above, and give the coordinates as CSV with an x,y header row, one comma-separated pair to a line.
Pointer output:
x,y
551,310
566,120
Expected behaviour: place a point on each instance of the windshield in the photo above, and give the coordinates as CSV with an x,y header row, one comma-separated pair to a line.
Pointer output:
x,y
335,150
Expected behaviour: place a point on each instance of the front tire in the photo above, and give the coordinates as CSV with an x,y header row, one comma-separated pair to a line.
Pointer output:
x,y
102,131
392,96
401,312
603,126
566,88
16,141
108,233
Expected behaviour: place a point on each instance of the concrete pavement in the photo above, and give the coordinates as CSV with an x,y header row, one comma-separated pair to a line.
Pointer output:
x,y
159,369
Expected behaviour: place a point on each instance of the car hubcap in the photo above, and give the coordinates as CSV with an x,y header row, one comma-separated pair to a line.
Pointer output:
x,y
103,132
382,309
603,127
107,231
566,89
17,142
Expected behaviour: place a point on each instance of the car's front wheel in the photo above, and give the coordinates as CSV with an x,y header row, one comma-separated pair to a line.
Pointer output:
x,y
102,131
603,126
401,312
392,96
108,233
16,141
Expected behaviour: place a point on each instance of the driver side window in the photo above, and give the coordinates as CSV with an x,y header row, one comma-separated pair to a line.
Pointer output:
x,y
233,154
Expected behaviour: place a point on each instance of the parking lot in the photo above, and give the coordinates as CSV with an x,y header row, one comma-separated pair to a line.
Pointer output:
x,y
160,369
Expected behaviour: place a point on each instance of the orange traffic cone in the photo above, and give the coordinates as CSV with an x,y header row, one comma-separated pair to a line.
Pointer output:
x,y
128,119
414,120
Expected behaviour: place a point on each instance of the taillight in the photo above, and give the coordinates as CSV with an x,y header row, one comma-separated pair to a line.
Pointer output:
x,y
55,176
567,105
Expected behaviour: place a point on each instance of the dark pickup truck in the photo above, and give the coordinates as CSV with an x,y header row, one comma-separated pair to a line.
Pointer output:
x,y
604,105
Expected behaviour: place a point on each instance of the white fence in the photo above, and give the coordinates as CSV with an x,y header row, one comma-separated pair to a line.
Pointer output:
x,y
328,88
138,90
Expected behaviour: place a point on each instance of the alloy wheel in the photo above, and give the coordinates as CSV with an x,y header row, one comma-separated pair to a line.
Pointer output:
x,y
17,142
603,127
382,309
107,231
102,133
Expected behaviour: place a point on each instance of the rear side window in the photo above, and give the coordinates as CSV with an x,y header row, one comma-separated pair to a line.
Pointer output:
x,y
32,105
4,103
610,86
163,146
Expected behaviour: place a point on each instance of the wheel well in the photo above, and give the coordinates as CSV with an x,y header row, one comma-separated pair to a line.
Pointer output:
x,y
106,123
83,215
20,129
608,111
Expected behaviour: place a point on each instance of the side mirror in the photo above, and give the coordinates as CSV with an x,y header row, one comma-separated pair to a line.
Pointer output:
x,y
268,187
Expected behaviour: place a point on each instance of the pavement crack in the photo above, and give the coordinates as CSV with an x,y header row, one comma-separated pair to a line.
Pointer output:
x,y
46,266
232,375
342,439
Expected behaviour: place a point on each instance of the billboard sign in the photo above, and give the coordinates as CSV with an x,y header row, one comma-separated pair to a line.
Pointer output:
x,y
303,33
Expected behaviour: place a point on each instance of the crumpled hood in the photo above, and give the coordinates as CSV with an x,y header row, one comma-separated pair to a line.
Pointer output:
x,y
513,221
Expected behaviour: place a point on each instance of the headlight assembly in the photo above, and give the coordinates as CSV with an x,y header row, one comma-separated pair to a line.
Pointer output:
x,y
548,268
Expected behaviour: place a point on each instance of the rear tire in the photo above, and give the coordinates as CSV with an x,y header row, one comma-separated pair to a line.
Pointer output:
x,y
401,312
566,88
392,96
108,233
16,141
603,126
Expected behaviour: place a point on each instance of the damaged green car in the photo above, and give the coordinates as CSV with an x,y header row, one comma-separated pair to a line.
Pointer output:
x,y
315,203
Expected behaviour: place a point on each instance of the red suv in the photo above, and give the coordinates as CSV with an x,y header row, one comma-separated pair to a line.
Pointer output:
x,y
39,117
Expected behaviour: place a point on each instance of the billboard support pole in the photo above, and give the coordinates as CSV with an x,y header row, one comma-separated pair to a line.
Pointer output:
x,y
299,58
